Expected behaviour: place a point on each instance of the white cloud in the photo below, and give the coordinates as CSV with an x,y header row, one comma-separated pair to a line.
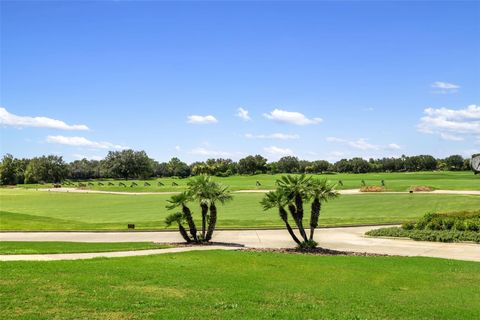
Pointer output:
x,y
362,144
88,157
83,142
209,153
10,119
393,146
291,117
279,152
196,119
177,148
445,87
278,136
451,124
450,137
243,114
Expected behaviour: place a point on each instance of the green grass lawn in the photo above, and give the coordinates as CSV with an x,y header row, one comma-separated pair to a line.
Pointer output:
x,y
35,210
394,181
33,247
241,285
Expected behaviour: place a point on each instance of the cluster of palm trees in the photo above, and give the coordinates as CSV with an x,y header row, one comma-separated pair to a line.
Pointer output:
x,y
291,194
207,193
289,197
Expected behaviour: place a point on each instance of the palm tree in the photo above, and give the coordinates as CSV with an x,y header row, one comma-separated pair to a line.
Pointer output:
x,y
200,188
218,193
178,218
276,199
320,191
292,192
181,200
296,190
208,192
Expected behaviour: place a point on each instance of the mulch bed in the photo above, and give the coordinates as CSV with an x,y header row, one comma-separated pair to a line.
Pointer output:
x,y
317,252
203,244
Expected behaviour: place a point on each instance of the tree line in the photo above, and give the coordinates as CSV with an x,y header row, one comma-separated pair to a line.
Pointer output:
x,y
130,164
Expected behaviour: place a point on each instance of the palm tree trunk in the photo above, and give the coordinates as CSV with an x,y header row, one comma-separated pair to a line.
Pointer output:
x,y
191,224
298,222
184,233
212,221
292,234
299,206
204,207
315,214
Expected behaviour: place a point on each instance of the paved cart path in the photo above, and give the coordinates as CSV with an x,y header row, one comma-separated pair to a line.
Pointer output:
x,y
345,239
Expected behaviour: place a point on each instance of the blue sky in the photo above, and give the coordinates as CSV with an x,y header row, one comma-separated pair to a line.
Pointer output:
x,y
319,80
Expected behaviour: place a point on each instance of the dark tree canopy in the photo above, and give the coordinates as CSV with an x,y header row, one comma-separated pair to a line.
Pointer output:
x,y
178,168
46,169
252,165
128,164
455,163
288,164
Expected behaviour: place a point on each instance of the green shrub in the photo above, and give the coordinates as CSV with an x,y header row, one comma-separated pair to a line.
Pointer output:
x,y
461,221
408,226
427,235
473,225
442,227
435,224
459,225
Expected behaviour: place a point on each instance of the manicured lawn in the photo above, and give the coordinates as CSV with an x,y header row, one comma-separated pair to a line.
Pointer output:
x,y
394,181
35,210
241,285
33,247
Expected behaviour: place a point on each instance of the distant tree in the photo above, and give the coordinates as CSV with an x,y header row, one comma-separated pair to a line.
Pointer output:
x,y
221,167
8,175
178,168
128,164
303,165
420,163
217,167
161,169
272,168
359,165
343,165
252,165
85,169
20,169
428,162
454,162
318,166
198,168
288,164
46,169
